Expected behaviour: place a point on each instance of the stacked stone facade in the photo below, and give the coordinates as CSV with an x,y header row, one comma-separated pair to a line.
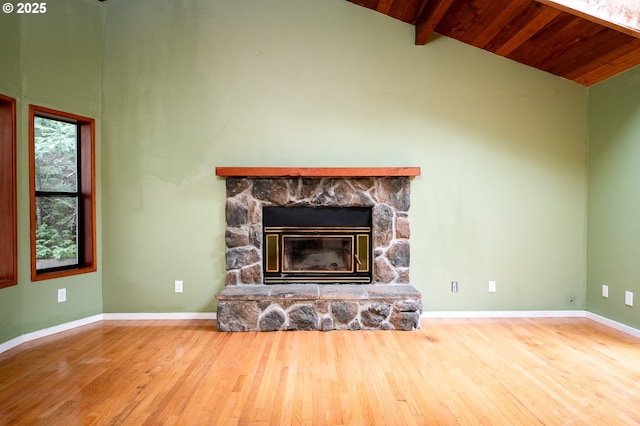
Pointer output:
x,y
247,304
319,307
387,196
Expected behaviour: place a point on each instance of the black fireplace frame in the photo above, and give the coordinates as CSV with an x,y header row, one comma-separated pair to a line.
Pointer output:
x,y
347,224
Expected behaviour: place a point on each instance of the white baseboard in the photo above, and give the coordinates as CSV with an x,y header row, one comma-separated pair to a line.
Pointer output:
x,y
100,317
10,344
5,346
534,314
161,316
48,332
613,324
504,314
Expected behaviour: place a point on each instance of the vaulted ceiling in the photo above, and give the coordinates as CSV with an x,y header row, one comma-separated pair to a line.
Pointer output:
x,y
581,46
539,33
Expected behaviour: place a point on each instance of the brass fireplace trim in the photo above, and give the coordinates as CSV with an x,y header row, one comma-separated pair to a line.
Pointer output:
x,y
275,237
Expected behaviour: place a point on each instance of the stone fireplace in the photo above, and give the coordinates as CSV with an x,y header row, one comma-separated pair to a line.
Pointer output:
x,y
317,249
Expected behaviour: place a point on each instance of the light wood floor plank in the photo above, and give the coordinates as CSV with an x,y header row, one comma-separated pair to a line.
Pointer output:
x,y
451,371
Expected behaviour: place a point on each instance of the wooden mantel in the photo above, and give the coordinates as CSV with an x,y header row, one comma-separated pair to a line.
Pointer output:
x,y
316,171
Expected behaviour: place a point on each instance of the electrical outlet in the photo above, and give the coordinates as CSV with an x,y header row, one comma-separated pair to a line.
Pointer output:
x,y
454,286
62,295
492,286
628,298
178,286
605,290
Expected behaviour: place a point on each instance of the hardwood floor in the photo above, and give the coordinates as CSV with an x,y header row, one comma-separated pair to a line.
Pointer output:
x,y
479,371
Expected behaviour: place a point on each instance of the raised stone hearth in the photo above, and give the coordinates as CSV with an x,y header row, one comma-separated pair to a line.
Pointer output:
x,y
318,307
246,303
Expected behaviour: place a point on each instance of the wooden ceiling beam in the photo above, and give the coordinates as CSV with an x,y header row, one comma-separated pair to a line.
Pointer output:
x,y
604,12
432,13
584,41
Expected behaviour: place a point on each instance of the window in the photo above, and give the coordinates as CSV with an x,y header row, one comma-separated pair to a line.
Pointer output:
x,y
8,205
62,183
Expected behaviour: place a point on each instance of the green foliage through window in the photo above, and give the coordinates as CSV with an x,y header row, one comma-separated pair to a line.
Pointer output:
x,y
56,175
56,152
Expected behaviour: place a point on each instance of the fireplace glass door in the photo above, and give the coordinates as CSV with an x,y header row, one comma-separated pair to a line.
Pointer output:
x,y
330,253
317,252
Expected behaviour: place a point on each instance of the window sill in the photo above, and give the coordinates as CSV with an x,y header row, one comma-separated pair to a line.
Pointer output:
x,y
41,276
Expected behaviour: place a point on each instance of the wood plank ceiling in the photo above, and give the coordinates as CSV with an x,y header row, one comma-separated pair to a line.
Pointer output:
x,y
535,33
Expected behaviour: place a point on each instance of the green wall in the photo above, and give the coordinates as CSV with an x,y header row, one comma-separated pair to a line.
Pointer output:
x,y
189,85
51,60
614,197
179,87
